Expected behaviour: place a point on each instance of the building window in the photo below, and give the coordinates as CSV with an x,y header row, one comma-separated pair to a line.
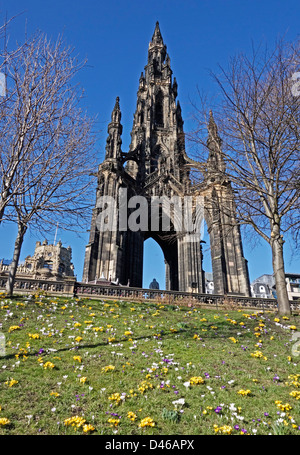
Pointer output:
x,y
48,265
159,109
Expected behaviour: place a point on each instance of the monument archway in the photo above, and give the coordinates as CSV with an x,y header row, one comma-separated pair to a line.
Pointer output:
x,y
157,165
170,254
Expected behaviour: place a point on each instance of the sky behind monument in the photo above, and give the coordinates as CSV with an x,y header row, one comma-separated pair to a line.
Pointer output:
x,y
114,36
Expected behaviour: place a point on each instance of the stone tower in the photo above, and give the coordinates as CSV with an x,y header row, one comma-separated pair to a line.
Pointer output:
x,y
230,269
156,166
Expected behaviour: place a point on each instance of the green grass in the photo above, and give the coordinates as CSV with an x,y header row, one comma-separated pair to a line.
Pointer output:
x,y
149,369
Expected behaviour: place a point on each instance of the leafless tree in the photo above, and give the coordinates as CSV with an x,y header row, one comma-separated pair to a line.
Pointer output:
x,y
9,159
47,149
257,114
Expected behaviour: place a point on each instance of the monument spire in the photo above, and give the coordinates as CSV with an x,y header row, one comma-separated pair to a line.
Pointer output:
x,y
157,38
114,129
215,160
116,113
157,119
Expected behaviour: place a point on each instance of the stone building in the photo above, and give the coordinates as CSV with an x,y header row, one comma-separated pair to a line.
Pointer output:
x,y
157,165
209,283
48,262
293,285
263,287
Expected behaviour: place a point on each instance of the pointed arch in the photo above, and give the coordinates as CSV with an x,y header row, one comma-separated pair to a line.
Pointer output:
x,y
154,263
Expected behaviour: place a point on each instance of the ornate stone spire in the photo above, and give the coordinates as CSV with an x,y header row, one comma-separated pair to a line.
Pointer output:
x,y
157,53
116,113
157,38
215,160
113,141
212,126
157,137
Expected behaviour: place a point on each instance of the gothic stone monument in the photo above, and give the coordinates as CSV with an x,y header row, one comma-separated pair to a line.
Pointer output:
x,y
157,165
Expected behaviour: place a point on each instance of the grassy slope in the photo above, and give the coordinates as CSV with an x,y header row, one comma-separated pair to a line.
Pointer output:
x,y
152,352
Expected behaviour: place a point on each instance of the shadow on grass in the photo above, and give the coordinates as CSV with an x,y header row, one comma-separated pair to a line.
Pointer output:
x,y
224,331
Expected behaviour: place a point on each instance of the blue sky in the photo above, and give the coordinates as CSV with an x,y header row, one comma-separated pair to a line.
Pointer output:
x,y
114,36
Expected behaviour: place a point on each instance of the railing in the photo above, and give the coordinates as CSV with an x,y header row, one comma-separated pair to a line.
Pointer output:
x,y
172,297
73,288
29,285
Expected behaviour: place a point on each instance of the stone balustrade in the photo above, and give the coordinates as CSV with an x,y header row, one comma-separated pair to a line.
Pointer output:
x,y
89,290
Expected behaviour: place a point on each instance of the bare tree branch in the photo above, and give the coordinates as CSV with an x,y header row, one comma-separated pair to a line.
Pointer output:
x,y
47,142
258,121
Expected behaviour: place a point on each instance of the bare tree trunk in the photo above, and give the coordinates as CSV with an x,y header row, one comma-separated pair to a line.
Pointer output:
x,y
1,213
14,265
3,202
279,273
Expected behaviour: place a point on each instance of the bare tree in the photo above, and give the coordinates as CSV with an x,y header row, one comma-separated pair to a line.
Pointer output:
x,y
258,120
9,157
48,147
